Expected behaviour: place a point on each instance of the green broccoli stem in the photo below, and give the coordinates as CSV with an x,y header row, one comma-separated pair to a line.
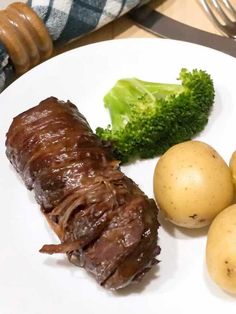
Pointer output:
x,y
127,92
161,90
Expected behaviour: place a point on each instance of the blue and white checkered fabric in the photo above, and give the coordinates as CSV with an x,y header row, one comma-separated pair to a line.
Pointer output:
x,y
6,68
69,19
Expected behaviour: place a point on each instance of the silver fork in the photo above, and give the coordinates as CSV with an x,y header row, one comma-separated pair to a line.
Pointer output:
x,y
223,15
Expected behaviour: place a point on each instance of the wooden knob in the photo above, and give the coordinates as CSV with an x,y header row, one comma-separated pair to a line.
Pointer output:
x,y
24,36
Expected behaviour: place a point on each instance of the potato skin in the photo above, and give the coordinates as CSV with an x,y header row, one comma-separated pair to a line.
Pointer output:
x,y
232,165
221,249
192,184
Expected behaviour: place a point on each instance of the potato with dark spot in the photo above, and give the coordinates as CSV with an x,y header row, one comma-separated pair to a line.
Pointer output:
x,y
192,184
221,249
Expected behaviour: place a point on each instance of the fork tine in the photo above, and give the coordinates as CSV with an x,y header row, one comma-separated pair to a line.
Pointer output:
x,y
212,15
221,12
230,7
228,28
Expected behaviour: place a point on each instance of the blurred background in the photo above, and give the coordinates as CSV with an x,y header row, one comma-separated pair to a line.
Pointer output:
x,y
186,11
4,3
189,12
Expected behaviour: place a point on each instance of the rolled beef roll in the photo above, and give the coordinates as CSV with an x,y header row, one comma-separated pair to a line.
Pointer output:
x,y
105,223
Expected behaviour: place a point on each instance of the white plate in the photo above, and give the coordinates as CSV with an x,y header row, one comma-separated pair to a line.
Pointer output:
x,y
33,283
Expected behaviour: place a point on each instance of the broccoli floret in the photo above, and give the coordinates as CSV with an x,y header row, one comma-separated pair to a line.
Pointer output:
x,y
148,118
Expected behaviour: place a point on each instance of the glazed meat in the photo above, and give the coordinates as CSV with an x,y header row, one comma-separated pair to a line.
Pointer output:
x,y
105,223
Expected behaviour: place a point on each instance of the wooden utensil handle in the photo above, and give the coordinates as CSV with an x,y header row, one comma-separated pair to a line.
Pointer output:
x,y
24,36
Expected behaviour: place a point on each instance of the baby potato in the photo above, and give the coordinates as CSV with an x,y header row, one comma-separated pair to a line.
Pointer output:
x,y
221,249
192,184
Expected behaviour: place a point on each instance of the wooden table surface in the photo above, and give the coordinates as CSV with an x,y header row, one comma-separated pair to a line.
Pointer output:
x,y
186,11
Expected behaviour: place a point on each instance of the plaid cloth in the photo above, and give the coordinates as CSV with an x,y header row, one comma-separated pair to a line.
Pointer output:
x,y
69,19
